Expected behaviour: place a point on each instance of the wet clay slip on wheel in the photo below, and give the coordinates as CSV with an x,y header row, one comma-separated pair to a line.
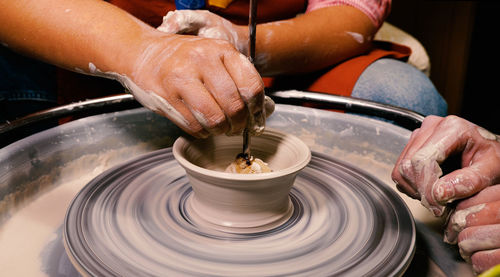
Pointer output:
x,y
134,220
241,203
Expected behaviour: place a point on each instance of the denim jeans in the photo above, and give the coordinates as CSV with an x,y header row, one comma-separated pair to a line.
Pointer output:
x,y
397,83
26,85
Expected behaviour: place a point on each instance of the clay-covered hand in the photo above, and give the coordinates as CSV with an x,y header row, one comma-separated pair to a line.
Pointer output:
x,y
205,24
203,85
418,170
475,225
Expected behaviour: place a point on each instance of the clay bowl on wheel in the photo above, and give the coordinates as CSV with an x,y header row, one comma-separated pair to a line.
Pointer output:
x,y
241,203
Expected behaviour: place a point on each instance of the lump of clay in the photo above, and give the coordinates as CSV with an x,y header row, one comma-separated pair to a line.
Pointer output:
x,y
249,165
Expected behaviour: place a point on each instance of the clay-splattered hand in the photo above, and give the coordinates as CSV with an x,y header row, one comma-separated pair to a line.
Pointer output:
x,y
203,85
418,170
205,24
475,225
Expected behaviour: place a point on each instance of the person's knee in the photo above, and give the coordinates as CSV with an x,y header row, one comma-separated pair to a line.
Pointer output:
x,y
397,83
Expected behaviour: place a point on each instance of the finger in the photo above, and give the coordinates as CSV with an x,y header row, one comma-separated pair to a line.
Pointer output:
x,y
487,195
459,184
246,77
481,214
464,182
250,87
418,137
478,238
485,260
203,107
425,131
402,184
224,90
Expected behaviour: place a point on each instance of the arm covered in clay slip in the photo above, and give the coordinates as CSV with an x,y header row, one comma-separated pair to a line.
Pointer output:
x,y
474,187
205,86
308,42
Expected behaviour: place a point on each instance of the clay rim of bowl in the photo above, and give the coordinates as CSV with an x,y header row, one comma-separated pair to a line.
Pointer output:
x,y
181,143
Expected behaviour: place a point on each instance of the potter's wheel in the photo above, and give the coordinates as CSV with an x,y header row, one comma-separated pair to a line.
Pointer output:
x,y
132,220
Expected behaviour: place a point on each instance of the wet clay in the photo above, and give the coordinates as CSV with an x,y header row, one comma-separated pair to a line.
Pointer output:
x,y
248,165
31,227
141,224
241,202
29,230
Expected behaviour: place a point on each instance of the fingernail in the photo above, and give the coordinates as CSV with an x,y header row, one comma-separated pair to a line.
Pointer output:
x,y
438,211
443,192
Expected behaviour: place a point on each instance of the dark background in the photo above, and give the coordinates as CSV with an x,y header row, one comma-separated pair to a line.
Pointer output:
x,y
461,40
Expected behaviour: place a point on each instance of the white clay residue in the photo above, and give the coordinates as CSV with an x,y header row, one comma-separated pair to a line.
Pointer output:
x,y
347,132
184,21
147,98
356,36
262,59
476,243
241,166
458,221
459,187
24,236
199,23
425,164
268,36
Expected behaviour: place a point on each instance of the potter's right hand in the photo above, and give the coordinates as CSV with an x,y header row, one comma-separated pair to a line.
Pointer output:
x,y
418,169
205,86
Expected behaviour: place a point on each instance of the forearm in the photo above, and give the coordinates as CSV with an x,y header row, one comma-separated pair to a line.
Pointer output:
x,y
312,41
72,34
204,86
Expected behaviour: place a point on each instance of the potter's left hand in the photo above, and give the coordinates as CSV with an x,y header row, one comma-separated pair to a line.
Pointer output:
x,y
205,24
418,169
475,225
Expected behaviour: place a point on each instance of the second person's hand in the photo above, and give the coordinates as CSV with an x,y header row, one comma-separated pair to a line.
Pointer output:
x,y
418,170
